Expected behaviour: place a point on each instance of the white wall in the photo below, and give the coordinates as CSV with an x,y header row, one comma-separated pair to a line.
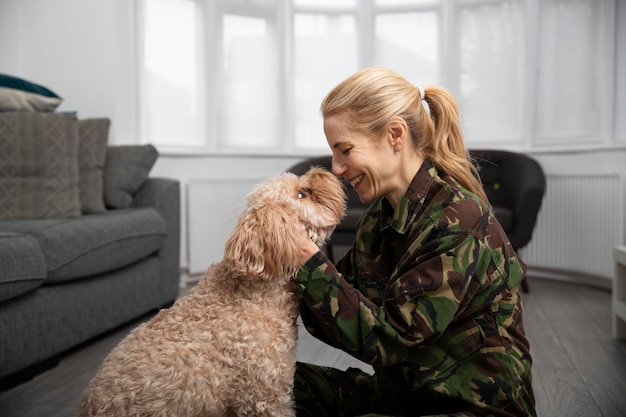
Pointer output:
x,y
83,50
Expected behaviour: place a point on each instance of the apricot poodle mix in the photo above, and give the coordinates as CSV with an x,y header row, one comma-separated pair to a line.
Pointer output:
x,y
227,348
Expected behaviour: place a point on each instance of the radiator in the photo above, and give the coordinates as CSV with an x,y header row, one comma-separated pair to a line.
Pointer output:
x,y
580,221
213,208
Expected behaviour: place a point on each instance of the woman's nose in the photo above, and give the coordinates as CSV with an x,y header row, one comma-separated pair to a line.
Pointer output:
x,y
338,169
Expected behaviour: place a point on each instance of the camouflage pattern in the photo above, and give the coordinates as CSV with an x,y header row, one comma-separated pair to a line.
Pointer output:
x,y
428,295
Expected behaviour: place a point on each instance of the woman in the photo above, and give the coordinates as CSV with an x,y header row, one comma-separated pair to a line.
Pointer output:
x,y
428,294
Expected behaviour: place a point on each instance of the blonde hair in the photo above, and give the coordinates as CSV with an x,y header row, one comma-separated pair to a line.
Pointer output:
x,y
373,96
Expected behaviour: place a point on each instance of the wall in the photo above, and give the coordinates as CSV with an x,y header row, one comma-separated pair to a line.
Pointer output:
x,y
83,50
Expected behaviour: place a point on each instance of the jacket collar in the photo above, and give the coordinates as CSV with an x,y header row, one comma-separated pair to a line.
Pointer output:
x,y
411,203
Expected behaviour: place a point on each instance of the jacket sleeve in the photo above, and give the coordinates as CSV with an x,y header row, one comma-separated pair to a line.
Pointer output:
x,y
420,303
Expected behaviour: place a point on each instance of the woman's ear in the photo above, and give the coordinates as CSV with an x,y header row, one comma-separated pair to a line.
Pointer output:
x,y
397,132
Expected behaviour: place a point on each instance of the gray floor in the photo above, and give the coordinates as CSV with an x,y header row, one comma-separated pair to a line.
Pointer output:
x,y
579,370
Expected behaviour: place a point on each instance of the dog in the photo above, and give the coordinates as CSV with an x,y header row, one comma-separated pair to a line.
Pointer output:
x,y
227,348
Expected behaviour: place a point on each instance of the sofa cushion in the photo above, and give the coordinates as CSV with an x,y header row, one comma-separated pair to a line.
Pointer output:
x,y
95,243
17,94
38,166
126,170
23,265
92,148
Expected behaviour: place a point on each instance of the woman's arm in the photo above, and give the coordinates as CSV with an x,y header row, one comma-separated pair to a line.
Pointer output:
x,y
419,304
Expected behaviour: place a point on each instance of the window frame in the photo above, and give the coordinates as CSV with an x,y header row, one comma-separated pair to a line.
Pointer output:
x,y
209,41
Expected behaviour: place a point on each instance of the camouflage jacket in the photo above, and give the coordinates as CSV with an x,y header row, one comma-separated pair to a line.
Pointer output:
x,y
428,295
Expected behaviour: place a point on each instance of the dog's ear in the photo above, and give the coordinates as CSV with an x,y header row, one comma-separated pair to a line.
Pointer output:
x,y
264,243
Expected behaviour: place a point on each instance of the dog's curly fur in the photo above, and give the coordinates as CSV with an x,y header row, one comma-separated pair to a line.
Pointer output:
x,y
227,348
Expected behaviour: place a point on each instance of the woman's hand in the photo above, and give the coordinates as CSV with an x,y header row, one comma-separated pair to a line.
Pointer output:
x,y
308,248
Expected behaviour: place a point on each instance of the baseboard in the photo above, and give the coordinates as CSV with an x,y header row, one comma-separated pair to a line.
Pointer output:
x,y
28,373
569,276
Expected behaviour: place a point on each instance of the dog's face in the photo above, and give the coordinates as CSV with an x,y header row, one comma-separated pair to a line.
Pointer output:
x,y
318,201
265,241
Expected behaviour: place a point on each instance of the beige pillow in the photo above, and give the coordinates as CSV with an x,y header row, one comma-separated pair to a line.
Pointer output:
x,y
18,94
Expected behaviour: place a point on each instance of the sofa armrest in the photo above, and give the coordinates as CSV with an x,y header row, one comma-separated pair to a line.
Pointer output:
x,y
164,195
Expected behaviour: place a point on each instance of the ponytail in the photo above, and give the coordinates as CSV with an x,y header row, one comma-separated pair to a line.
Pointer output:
x,y
445,146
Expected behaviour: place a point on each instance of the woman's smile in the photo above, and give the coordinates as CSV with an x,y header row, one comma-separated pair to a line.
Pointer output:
x,y
356,181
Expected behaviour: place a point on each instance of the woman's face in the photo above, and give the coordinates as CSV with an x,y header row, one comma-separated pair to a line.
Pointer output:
x,y
366,162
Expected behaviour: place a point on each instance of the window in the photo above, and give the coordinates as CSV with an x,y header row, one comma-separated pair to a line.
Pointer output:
x,y
408,42
491,51
571,83
171,99
325,50
248,87
248,76
620,70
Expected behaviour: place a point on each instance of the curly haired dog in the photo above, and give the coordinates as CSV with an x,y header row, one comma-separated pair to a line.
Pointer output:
x,y
227,347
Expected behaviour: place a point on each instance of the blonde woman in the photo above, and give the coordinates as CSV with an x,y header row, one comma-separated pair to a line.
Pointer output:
x,y
428,294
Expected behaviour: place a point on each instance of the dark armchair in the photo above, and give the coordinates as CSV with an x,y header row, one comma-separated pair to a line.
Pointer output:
x,y
514,183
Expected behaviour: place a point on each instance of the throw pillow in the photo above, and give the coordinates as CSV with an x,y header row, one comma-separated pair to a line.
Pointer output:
x,y
17,94
126,170
38,165
92,148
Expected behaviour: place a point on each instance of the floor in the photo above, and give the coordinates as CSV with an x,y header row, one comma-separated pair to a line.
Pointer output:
x,y
579,370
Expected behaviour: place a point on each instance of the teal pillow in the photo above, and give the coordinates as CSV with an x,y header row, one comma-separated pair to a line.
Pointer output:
x,y
17,94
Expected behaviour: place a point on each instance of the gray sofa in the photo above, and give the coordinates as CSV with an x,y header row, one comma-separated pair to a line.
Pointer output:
x,y
66,277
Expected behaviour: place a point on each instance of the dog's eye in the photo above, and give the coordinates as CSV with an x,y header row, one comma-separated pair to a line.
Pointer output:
x,y
303,193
